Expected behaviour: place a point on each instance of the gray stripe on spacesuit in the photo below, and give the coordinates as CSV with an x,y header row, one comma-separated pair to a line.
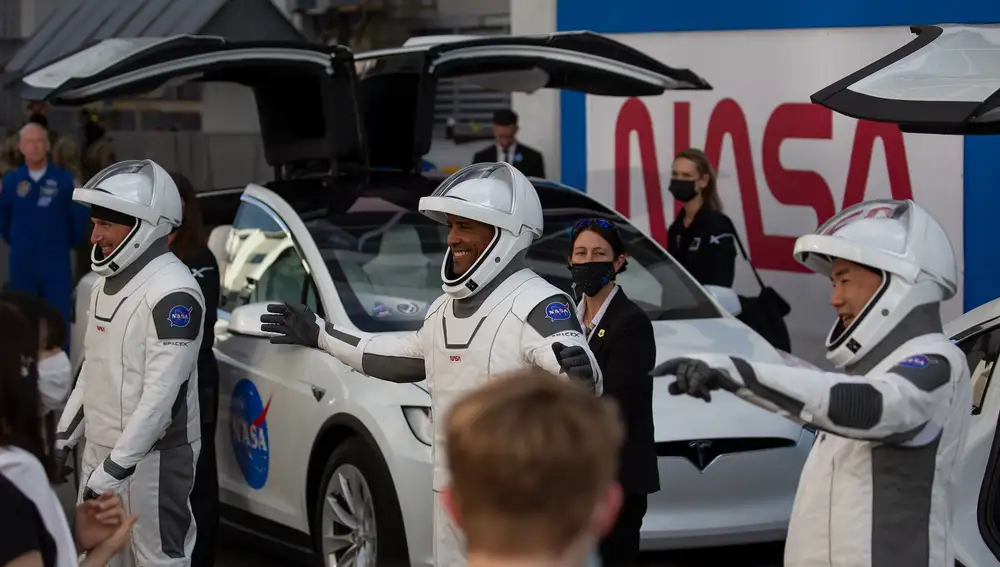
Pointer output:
x,y
902,485
77,419
116,282
928,378
783,401
341,335
176,480
923,320
393,368
117,471
467,306
457,346
177,431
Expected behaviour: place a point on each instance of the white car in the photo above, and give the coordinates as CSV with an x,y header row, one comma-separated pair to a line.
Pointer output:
x,y
946,81
325,459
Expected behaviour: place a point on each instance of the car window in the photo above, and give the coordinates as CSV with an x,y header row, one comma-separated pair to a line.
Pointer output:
x,y
263,264
981,352
386,265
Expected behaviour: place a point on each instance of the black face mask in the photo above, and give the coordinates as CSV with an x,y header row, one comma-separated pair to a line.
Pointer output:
x,y
682,189
590,278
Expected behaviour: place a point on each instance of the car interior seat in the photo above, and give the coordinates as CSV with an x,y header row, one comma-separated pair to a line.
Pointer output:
x,y
217,245
399,267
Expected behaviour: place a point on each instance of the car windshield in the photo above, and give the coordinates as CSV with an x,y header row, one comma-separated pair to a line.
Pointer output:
x,y
385,261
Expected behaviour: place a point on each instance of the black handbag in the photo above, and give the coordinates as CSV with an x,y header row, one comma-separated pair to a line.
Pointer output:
x,y
765,313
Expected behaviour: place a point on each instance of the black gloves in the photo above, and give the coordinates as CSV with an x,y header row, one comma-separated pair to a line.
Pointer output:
x,y
574,362
294,323
695,378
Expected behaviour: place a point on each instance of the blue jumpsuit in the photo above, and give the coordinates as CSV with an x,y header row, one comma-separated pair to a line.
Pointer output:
x,y
41,224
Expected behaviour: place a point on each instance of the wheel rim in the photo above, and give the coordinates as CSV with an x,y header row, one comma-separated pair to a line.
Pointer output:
x,y
349,528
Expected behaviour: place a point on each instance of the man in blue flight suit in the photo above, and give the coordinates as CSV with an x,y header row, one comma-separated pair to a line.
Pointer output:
x,y
40,222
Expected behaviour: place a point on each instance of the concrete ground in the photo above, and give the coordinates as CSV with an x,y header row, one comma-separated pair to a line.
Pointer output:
x,y
238,550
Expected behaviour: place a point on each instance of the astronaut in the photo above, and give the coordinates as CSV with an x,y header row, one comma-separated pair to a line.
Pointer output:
x,y
136,399
878,486
496,315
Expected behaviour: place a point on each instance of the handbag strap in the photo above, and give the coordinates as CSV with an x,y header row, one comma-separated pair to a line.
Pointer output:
x,y
743,252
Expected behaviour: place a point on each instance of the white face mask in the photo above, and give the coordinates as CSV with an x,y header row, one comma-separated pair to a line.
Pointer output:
x,y
54,380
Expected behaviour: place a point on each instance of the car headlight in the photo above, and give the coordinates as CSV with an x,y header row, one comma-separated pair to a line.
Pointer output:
x,y
419,420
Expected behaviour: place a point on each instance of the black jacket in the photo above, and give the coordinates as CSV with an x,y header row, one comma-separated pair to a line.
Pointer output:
x,y
625,350
706,248
527,160
205,270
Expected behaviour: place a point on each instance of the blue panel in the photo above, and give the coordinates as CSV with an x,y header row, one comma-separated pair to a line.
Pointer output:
x,y
982,203
640,16
573,126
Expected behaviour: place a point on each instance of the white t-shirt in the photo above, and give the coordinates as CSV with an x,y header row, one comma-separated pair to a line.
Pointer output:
x,y
34,519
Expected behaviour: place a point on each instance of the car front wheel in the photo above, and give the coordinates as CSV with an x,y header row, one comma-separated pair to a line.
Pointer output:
x,y
358,517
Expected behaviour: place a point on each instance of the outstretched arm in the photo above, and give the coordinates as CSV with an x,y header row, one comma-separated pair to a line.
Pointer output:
x,y
896,406
395,358
553,340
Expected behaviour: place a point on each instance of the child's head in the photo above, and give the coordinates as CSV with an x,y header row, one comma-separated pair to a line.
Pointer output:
x,y
533,462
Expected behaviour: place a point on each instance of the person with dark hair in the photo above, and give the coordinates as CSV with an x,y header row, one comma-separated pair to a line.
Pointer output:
x,y
190,243
527,160
54,368
38,534
702,238
620,335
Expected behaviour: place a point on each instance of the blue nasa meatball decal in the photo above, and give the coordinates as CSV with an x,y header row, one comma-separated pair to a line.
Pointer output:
x,y
248,431
557,311
179,316
915,361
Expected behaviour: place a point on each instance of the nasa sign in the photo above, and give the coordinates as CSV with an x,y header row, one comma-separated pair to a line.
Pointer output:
x,y
248,432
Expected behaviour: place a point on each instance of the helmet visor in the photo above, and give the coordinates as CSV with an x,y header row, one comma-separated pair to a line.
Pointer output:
x,y
869,218
134,167
498,195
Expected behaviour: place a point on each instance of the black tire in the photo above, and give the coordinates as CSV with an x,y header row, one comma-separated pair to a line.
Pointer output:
x,y
391,548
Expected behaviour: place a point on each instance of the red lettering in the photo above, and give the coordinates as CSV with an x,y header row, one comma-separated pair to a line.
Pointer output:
x,y
634,117
788,121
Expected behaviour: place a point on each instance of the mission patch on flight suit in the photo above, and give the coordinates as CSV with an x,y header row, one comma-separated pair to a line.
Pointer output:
x,y
552,315
177,316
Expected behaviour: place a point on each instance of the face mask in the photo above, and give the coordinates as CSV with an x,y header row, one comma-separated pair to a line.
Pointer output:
x,y
54,379
682,189
590,278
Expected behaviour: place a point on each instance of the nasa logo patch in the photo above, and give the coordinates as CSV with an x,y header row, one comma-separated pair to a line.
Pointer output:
x,y
556,311
915,361
23,188
179,316
248,432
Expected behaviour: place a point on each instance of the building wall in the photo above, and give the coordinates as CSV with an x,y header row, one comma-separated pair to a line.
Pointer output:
x,y
784,165
538,112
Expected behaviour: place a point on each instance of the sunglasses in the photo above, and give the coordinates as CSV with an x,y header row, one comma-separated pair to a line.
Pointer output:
x,y
592,221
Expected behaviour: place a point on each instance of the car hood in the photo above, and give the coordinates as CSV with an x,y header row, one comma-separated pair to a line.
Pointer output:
x,y
683,418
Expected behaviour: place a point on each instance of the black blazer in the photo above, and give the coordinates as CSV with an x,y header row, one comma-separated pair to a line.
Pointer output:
x,y
706,248
625,350
205,270
531,162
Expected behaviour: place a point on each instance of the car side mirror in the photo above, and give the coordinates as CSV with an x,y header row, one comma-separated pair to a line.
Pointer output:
x,y
727,298
245,320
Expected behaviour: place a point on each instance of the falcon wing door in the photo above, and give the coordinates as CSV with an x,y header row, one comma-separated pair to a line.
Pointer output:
x,y
945,81
398,86
305,93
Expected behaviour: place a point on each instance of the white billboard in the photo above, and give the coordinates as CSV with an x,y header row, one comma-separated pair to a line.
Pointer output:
x,y
784,164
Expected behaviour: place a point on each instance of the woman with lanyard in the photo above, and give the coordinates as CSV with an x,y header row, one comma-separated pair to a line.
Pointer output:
x,y
621,338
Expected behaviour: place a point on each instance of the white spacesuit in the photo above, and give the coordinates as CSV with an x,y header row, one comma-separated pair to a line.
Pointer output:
x,y
496,317
136,399
877,487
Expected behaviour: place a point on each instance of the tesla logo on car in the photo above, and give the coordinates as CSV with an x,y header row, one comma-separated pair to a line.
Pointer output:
x,y
248,431
703,450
